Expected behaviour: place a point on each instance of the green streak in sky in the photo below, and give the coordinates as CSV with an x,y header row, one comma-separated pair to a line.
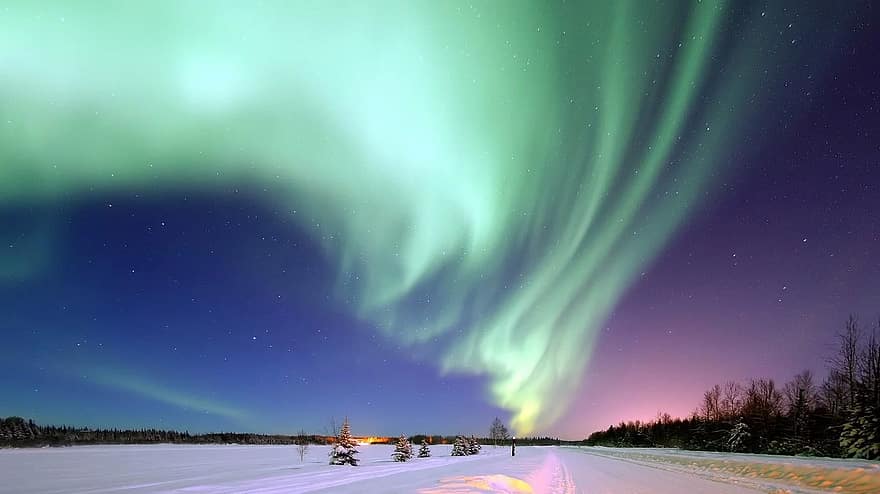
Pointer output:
x,y
493,176
130,383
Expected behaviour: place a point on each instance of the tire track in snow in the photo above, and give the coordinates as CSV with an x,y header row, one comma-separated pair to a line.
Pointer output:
x,y
552,477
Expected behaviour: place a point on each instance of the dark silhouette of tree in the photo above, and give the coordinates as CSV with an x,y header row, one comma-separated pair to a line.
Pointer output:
x,y
16,431
845,363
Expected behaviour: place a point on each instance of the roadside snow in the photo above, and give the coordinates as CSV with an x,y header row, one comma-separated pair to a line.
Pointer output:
x,y
767,473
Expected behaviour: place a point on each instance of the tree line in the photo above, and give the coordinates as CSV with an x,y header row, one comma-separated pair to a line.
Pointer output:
x,y
20,432
838,417
16,431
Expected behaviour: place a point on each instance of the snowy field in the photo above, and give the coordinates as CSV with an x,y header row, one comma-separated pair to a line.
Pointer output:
x,y
552,470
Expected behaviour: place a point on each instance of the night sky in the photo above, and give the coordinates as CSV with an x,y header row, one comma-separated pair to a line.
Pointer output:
x,y
256,217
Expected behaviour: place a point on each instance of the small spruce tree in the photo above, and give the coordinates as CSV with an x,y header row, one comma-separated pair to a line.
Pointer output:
x,y
737,440
424,451
344,451
473,446
459,448
403,449
860,437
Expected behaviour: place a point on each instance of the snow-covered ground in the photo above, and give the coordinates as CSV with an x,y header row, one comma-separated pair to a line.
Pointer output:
x,y
565,470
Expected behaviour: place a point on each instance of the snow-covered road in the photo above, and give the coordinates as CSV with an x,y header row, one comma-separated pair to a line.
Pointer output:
x,y
550,470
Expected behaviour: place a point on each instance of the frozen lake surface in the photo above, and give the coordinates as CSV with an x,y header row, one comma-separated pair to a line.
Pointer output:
x,y
563,470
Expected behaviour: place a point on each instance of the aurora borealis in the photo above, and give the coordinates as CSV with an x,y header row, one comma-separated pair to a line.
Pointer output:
x,y
472,189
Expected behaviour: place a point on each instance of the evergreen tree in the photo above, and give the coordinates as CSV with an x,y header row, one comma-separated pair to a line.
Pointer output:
x,y
860,437
403,449
800,417
473,446
424,451
459,448
345,449
738,438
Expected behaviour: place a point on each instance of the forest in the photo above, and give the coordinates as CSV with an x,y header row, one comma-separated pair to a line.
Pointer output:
x,y
838,417
16,431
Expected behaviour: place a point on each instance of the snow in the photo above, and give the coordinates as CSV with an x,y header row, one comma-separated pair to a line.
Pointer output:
x,y
552,470
765,473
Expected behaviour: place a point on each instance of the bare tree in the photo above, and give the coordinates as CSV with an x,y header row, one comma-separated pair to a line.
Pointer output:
x,y
846,362
869,367
833,394
302,444
711,407
663,418
763,401
498,431
731,400
332,428
800,392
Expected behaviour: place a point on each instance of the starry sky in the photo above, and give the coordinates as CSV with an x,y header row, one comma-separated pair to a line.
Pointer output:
x,y
421,215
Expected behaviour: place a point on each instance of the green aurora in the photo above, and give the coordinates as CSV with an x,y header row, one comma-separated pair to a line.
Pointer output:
x,y
427,146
